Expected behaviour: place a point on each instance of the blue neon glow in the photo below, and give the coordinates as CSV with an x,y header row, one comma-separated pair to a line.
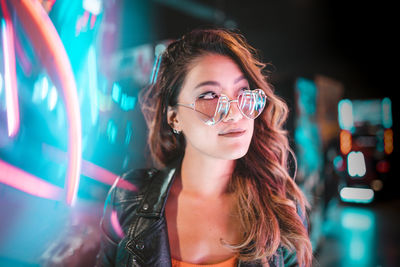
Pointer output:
x,y
116,93
128,132
1,84
307,136
112,131
358,230
128,102
345,115
356,164
357,195
338,162
93,85
387,113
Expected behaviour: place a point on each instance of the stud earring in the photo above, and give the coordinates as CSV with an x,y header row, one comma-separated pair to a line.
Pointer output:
x,y
176,131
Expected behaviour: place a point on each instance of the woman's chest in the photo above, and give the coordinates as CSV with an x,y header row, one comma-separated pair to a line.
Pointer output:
x,y
197,230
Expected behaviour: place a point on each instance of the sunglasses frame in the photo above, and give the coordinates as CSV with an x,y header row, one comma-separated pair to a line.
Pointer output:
x,y
226,99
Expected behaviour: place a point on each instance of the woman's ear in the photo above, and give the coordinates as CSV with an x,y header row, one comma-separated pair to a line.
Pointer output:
x,y
172,117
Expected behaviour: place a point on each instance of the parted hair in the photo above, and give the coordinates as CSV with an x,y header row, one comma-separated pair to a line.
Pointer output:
x,y
270,205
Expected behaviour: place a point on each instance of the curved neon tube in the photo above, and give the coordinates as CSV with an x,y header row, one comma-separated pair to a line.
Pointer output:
x,y
10,76
51,51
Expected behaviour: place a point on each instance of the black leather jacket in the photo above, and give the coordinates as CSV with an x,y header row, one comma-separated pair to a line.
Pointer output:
x,y
141,217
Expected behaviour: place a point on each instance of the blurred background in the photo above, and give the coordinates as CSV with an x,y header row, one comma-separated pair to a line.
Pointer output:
x,y
70,123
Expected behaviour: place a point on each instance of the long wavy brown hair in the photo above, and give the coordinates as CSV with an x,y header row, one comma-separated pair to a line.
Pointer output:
x,y
270,205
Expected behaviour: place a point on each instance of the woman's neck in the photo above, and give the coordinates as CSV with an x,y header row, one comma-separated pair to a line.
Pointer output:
x,y
203,176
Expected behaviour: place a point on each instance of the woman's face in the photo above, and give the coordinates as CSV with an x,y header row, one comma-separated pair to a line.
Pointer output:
x,y
231,137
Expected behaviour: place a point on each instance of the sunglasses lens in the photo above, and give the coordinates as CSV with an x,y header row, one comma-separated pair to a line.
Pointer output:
x,y
252,103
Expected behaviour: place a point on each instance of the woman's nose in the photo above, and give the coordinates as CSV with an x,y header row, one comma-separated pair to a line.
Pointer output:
x,y
234,113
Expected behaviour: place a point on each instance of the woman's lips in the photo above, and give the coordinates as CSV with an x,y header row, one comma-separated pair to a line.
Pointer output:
x,y
233,133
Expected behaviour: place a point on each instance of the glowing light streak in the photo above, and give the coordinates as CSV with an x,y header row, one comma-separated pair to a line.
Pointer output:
x,y
52,54
357,195
89,169
93,19
44,88
10,76
1,84
52,99
128,102
159,49
116,225
93,85
116,92
112,131
356,164
23,60
28,183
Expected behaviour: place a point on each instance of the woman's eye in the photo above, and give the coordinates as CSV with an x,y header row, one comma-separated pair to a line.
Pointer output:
x,y
208,95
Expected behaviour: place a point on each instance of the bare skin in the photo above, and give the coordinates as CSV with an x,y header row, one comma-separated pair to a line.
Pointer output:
x,y
198,220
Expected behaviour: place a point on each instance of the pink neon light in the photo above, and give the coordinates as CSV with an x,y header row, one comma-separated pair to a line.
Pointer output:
x,y
50,49
23,59
89,169
28,183
116,225
10,76
92,21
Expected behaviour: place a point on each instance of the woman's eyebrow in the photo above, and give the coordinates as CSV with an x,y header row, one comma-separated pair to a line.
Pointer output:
x,y
207,83
239,79
242,77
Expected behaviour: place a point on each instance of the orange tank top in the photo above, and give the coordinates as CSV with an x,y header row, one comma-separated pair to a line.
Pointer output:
x,y
231,262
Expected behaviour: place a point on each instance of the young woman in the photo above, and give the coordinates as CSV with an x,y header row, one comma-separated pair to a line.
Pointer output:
x,y
221,194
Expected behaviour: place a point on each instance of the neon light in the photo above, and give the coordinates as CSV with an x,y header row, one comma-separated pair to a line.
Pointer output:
x,y
128,133
28,183
345,141
357,195
388,141
338,163
1,84
116,225
52,99
10,76
44,88
345,115
387,113
52,54
112,131
116,92
93,6
93,85
93,19
356,164
128,102
89,169
357,236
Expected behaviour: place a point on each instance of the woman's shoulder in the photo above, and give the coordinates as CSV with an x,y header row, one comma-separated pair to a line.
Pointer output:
x,y
132,184
123,200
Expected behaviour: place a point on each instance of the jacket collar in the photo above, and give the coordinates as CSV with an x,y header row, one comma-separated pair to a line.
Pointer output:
x,y
153,203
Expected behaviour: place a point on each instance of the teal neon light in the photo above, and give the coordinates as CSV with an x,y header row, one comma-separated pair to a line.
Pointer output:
x,y
387,113
345,115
